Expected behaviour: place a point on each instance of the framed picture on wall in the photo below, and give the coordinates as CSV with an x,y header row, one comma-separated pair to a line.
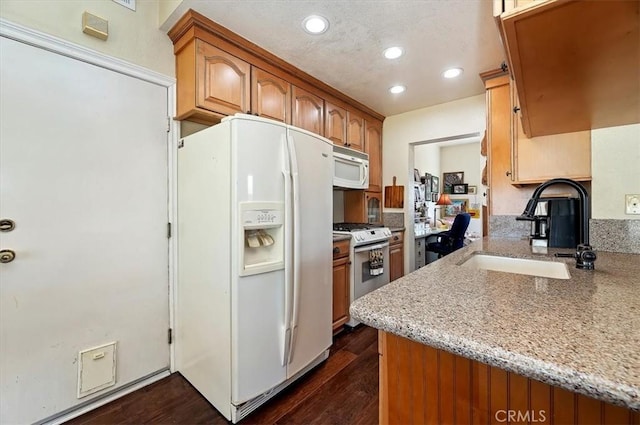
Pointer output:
x,y
449,179
459,188
457,206
472,190
416,175
427,182
435,184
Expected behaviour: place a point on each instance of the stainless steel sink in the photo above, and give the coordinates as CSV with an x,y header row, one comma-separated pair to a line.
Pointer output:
x,y
541,268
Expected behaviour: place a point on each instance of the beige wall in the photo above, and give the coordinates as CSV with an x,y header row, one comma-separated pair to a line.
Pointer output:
x,y
466,158
165,9
462,116
133,36
615,166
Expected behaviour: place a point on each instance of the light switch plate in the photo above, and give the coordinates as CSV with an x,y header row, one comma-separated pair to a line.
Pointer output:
x,y
632,203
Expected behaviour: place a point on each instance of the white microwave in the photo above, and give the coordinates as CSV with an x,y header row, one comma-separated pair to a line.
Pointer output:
x,y
350,168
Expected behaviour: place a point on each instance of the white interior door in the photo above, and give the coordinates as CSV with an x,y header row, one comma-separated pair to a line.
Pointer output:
x,y
83,173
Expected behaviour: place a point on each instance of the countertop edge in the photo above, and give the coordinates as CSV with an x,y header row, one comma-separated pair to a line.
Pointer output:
x,y
552,374
557,374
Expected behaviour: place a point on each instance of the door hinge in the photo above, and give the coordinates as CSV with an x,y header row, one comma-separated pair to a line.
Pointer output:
x,y
168,124
170,336
168,230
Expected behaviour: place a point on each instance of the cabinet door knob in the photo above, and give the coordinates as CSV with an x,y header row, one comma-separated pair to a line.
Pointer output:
x,y
516,109
508,173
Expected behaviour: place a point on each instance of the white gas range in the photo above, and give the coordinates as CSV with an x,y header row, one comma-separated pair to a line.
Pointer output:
x,y
369,256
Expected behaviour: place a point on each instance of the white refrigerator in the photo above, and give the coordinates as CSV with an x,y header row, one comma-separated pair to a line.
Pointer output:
x,y
254,292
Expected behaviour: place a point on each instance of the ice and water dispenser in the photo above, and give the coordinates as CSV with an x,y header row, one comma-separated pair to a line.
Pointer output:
x,y
262,230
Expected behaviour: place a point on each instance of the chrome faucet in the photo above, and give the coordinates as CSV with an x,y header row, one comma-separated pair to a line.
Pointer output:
x,y
585,256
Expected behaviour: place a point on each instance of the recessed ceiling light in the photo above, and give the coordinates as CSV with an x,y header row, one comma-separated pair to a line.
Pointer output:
x,y
393,52
452,73
315,24
397,89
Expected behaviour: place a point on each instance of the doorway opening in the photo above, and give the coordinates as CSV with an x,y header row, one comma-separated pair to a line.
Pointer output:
x,y
434,157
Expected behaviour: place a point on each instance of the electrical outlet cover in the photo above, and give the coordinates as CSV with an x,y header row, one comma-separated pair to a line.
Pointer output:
x,y
632,203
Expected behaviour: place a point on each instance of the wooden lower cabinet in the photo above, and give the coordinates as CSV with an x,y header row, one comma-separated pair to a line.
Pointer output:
x,y
423,385
396,256
341,274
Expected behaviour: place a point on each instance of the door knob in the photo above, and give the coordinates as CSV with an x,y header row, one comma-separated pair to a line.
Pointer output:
x,y
7,256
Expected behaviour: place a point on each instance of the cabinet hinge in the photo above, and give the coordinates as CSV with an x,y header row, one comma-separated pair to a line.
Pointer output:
x,y
170,336
168,230
180,143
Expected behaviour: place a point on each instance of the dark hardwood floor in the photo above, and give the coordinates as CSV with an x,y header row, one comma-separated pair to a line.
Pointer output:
x,y
341,391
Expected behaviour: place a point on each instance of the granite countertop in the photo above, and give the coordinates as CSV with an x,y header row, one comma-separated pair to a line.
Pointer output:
x,y
581,334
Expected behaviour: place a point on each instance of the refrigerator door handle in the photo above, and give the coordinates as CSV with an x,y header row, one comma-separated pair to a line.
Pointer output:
x,y
288,257
296,243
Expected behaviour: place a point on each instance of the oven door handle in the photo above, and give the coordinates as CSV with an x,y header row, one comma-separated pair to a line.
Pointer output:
x,y
370,247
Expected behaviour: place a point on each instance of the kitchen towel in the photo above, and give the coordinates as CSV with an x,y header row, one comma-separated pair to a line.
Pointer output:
x,y
376,262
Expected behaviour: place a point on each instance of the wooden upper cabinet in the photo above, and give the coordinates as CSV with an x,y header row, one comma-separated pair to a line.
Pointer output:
x,y
335,125
373,146
538,159
355,131
501,6
575,64
308,111
223,81
515,160
362,206
344,127
504,198
270,96
219,73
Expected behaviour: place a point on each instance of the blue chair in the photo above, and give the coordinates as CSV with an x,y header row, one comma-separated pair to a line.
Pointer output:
x,y
452,239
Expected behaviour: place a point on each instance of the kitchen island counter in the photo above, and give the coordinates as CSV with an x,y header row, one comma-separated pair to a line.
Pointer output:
x,y
580,334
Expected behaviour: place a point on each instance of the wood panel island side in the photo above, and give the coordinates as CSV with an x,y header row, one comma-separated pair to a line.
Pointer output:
x,y
460,345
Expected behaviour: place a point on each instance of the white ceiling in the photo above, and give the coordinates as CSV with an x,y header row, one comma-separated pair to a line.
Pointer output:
x,y
435,34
